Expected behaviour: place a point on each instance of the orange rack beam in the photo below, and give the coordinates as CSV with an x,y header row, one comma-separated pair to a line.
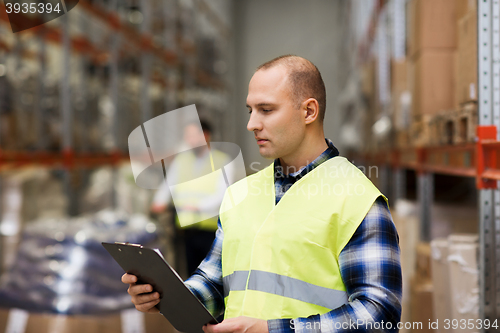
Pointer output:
x,y
67,159
480,160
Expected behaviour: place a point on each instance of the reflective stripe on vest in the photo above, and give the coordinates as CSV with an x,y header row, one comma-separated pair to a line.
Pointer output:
x,y
284,286
281,260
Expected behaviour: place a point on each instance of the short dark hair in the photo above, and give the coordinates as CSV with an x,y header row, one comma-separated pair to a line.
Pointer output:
x,y
305,80
206,126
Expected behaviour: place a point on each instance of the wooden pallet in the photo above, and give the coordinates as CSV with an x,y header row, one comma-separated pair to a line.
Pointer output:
x,y
440,130
402,139
465,123
420,131
458,127
446,128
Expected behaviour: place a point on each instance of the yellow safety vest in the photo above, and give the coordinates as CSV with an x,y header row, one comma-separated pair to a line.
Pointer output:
x,y
281,261
193,187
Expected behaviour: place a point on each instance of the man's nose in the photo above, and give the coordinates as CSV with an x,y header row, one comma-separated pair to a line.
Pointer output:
x,y
254,123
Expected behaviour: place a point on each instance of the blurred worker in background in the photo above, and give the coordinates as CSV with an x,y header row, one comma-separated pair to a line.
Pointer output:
x,y
312,247
198,204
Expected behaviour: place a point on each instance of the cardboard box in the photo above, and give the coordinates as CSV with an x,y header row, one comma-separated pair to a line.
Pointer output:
x,y
432,25
423,273
25,322
9,133
368,88
464,277
467,61
368,78
401,96
432,82
399,75
464,7
441,299
421,307
405,217
402,139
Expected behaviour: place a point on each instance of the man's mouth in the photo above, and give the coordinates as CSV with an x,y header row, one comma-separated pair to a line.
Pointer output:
x,y
261,141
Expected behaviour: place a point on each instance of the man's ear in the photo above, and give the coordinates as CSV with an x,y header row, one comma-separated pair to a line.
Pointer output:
x,y
310,108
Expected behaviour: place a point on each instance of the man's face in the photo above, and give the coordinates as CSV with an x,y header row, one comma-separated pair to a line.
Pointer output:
x,y
276,122
193,136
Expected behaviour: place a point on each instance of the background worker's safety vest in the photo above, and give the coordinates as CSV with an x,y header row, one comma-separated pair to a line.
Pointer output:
x,y
281,261
191,193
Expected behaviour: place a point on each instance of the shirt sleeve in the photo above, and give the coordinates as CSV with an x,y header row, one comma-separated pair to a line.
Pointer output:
x,y
206,281
371,270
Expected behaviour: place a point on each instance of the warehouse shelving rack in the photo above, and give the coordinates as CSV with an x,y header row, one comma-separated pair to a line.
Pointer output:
x,y
166,58
160,63
480,160
142,40
488,129
177,54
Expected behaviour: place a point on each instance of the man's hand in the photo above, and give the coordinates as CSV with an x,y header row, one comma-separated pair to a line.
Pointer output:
x,y
142,297
238,325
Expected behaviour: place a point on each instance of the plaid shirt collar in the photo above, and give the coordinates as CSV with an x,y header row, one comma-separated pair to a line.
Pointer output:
x,y
283,182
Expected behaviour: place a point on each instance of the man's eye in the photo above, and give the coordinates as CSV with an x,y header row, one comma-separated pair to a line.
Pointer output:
x,y
250,111
266,110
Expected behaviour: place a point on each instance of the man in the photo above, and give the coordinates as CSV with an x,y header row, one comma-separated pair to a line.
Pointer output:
x,y
197,203
313,246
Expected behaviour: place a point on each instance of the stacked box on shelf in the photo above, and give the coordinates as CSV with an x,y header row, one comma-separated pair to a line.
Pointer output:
x,y
432,76
463,123
368,89
7,120
465,120
421,305
441,281
447,127
423,272
422,289
405,217
432,46
465,7
464,275
401,101
432,25
455,279
467,59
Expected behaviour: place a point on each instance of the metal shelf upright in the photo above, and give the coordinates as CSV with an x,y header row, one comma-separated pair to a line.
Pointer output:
x,y
489,123
480,160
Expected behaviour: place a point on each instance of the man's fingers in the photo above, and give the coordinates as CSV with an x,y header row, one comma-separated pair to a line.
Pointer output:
x,y
129,278
145,298
142,296
148,307
224,327
146,302
238,325
208,328
137,289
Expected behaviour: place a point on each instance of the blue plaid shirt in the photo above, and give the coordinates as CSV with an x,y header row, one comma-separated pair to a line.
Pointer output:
x,y
369,265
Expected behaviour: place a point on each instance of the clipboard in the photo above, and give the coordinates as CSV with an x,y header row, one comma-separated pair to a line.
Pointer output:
x,y
177,303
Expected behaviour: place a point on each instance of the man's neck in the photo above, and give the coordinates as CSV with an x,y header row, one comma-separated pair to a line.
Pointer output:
x,y
308,152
